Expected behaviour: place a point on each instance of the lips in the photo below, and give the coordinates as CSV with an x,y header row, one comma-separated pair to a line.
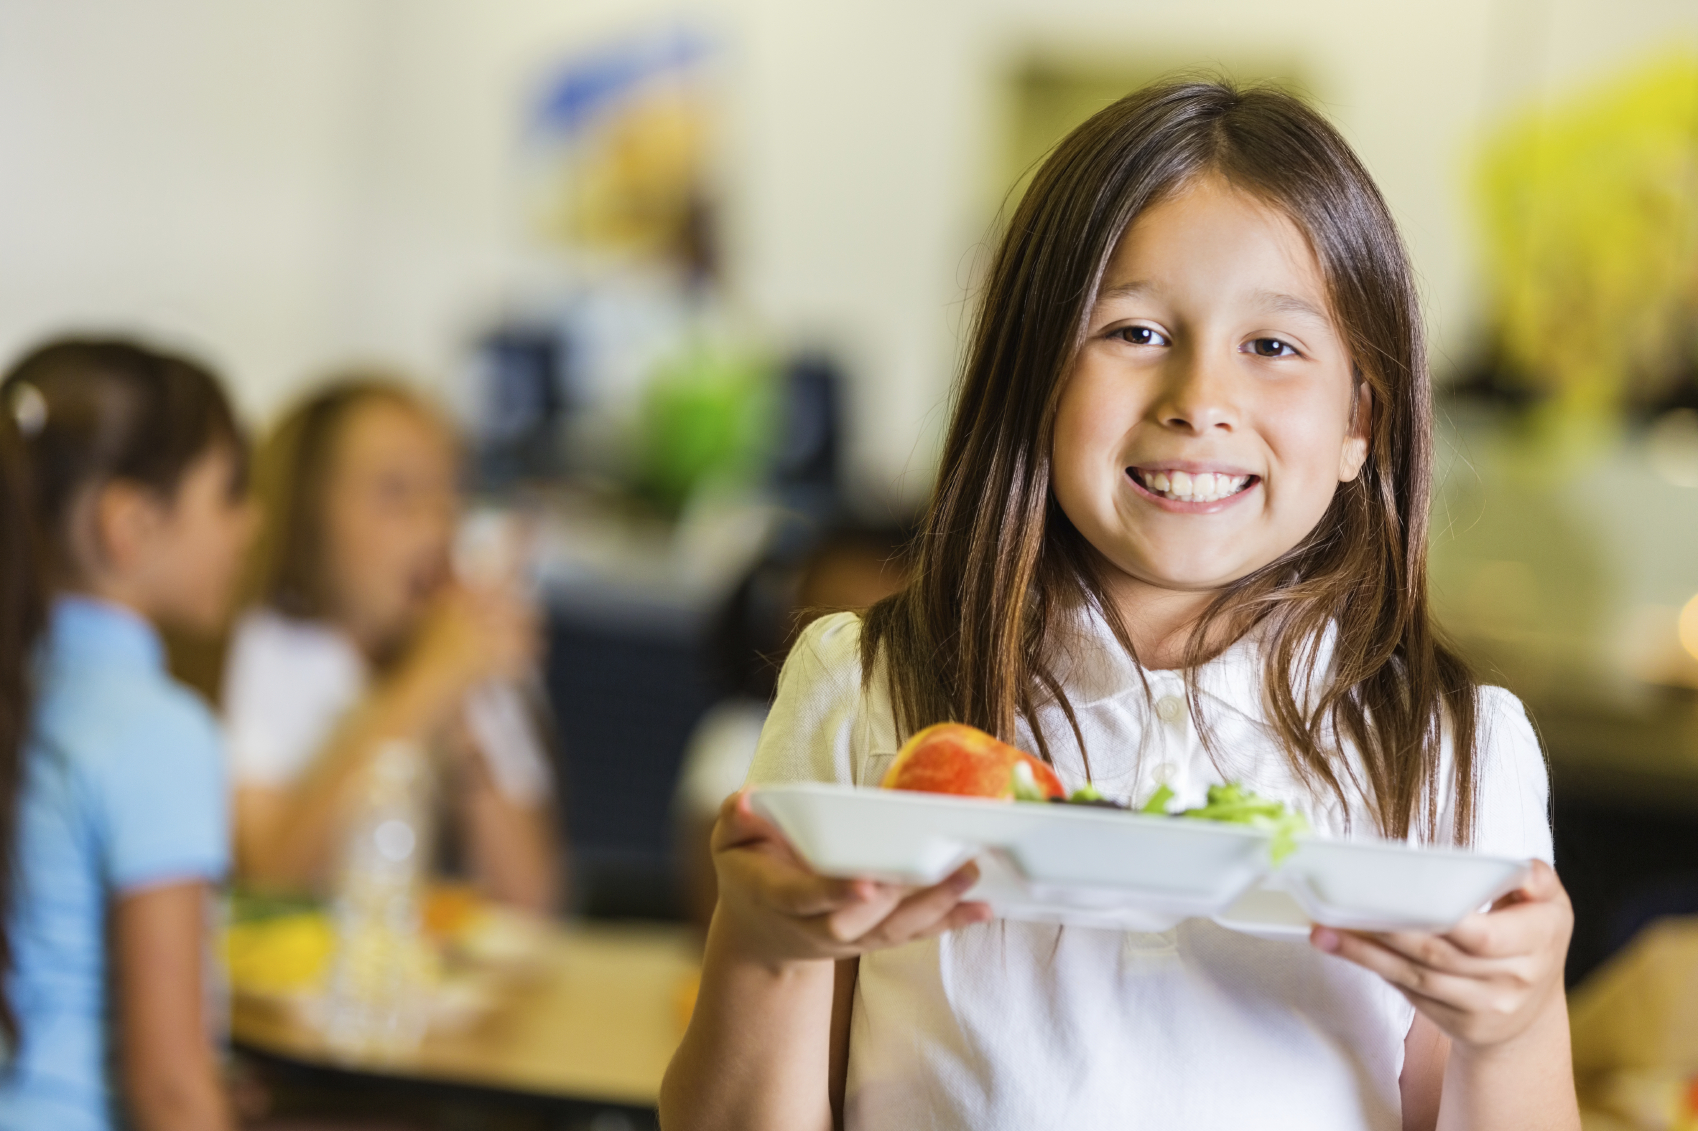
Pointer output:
x,y
1192,486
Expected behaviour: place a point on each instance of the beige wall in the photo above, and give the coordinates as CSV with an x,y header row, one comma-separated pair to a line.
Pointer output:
x,y
288,184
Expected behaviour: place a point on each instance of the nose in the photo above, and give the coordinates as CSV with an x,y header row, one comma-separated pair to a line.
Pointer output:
x,y
1197,395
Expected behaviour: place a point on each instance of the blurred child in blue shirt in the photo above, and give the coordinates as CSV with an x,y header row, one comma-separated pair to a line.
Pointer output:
x,y
133,469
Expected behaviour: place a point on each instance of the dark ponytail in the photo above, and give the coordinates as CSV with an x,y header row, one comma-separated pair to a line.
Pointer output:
x,y
22,605
96,410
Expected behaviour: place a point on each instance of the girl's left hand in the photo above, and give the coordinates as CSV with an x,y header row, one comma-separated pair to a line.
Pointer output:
x,y
1488,979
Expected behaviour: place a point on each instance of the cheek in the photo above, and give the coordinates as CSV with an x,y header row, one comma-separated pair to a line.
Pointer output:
x,y
1091,423
1064,471
399,545
355,543
1306,441
428,530
213,543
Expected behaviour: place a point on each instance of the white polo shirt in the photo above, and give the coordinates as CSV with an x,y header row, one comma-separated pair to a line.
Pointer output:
x,y
1013,1025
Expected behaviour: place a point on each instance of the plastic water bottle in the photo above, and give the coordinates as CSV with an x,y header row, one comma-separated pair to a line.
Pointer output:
x,y
378,1004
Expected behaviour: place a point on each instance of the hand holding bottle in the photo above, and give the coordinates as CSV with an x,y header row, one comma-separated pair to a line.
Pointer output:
x,y
472,636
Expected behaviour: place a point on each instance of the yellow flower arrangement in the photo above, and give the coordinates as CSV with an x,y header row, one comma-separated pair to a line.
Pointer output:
x,y
1590,216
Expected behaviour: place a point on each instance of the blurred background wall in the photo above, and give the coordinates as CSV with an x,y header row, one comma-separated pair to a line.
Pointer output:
x,y
288,185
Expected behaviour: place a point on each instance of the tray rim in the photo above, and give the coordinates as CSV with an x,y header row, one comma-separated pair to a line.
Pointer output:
x,y
1081,813
1367,843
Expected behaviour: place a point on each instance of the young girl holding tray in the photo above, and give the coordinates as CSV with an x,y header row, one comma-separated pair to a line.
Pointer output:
x,y
1178,535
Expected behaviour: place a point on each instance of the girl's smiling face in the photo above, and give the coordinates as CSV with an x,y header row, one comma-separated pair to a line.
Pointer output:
x,y
1211,411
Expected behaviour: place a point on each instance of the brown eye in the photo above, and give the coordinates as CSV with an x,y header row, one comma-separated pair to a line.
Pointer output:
x,y
1272,347
1141,336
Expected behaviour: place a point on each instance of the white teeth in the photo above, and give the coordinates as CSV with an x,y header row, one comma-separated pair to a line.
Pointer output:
x,y
1200,487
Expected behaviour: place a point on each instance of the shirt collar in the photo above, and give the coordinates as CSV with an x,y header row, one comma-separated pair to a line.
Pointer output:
x,y
1093,667
84,630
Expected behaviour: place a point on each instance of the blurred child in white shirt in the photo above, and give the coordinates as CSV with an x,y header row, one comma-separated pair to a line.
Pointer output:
x,y
362,634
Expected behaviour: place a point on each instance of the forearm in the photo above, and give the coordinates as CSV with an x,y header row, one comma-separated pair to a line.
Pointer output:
x,y
1526,1083
295,845
168,1068
757,1054
513,848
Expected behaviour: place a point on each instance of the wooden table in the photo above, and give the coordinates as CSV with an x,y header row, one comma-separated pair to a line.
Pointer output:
x,y
1635,1027
597,1020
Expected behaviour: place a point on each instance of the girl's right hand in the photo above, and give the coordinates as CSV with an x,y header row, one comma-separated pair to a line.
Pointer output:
x,y
776,912
470,636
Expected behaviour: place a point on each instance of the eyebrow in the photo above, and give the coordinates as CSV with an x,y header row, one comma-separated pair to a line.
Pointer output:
x,y
1125,290
1276,302
1290,304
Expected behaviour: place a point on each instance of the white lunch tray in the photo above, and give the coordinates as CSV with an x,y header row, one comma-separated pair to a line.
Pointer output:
x,y
1130,871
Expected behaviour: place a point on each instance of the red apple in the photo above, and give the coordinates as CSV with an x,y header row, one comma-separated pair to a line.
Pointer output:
x,y
956,758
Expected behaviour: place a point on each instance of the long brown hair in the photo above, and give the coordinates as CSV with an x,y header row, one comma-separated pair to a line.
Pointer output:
x,y
291,481
1000,566
22,609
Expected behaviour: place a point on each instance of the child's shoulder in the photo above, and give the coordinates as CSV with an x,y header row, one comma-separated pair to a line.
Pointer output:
x,y
141,759
1511,780
830,645
823,668
823,672
124,719
827,723
1503,730
267,639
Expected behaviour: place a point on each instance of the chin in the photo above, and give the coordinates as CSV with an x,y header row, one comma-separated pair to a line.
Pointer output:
x,y
196,622
1192,572
407,616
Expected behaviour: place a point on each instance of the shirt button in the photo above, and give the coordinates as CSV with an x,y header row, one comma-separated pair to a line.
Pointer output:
x,y
1164,773
1170,708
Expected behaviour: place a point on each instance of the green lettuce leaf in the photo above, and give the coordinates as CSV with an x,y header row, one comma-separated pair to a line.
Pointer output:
x,y
1232,804
1026,786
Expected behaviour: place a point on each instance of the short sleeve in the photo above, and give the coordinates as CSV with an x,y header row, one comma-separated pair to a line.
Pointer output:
x,y
1512,795
161,803
824,725
286,686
